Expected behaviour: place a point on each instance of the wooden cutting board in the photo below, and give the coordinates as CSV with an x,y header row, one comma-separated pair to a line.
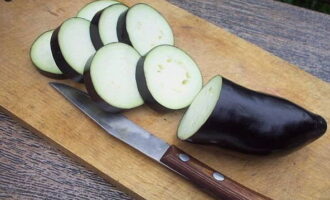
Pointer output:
x,y
26,95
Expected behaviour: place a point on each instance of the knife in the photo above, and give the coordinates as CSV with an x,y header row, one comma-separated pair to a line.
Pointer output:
x,y
117,125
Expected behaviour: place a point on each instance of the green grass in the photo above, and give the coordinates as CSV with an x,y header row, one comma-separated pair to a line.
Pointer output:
x,y
318,5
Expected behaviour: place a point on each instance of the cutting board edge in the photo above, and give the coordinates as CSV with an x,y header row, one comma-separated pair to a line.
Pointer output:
x,y
58,146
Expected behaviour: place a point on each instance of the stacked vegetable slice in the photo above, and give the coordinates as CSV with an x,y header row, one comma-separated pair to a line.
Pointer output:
x,y
89,10
168,78
72,47
110,78
42,58
144,28
126,58
105,23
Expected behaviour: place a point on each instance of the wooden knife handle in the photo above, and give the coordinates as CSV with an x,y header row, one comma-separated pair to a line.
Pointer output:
x,y
211,181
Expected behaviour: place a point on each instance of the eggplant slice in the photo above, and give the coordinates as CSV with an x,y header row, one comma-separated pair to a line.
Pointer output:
x,y
231,116
71,47
104,25
42,58
168,78
89,10
110,79
144,28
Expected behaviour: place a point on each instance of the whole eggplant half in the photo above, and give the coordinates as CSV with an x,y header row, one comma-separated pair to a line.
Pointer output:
x,y
234,117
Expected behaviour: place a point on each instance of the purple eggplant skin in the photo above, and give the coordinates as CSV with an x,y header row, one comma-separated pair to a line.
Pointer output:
x,y
48,74
52,75
121,29
95,97
256,123
122,33
60,60
144,90
94,31
92,91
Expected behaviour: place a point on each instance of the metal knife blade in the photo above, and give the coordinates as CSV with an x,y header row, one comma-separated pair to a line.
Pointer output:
x,y
172,157
116,125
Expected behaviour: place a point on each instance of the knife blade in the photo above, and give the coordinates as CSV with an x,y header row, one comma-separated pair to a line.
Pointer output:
x,y
118,126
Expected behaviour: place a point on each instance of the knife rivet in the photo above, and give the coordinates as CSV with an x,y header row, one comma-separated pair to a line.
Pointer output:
x,y
217,176
184,157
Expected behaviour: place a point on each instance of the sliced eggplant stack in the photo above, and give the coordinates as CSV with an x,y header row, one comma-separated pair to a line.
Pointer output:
x,y
42,58
144,28
168,78
71,47
231,116
104,25
110,79
89,10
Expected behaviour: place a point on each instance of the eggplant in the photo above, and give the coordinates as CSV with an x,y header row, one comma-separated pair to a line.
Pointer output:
x,y
71,47
168,78
42,58
90,9
110,77
144,28
231,116
103,29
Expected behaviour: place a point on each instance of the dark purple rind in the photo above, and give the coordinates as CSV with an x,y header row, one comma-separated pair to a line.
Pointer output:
x,y
47,74
51,75
252,122
95,97
122,33
94,30
60,61
144,90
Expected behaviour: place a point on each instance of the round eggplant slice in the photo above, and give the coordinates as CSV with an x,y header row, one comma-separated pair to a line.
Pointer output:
x,y
42,58
231,116
89,10
168,78
110,80
104,28
71,47
144,28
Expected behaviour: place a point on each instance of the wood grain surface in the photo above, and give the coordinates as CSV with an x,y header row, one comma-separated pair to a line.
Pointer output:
x,y
232,163
31,168
297,35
